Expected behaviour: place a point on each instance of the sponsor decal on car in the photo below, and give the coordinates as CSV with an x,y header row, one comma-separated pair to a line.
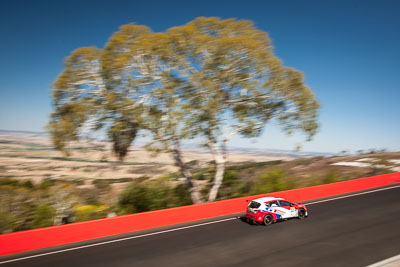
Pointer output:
x,y
279,212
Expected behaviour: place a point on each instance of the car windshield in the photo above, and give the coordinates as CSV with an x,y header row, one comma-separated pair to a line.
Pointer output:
x,y
254,205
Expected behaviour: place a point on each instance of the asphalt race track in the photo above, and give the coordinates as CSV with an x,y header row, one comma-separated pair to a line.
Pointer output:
x,y
354,231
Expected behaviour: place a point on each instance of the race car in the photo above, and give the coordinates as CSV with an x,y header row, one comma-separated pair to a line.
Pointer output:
x,y
268,210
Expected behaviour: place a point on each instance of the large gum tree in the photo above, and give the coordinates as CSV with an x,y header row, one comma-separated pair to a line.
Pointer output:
x,y
234,84
210,78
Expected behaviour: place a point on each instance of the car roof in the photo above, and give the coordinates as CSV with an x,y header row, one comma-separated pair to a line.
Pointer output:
x,y
267,199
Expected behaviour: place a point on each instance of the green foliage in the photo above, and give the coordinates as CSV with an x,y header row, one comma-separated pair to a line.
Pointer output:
x,y
379,171
232,186
169,177
139,197
230,178
23,207
292,183
331,176
66,121
17,207
44,216
181,196
13,182
113,181
270,181
204,174
194,79
6,222
28,184
8,181
314,180
254,165
90,212
122,133
46,183
205,190
237,180
80,100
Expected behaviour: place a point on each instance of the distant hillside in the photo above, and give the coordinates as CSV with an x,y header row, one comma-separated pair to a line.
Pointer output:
x,y
21,133
233,150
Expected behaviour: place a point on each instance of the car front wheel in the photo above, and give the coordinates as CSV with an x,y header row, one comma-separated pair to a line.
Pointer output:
x,y
301,214
268,219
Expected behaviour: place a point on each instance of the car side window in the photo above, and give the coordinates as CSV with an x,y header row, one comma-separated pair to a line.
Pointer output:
x,y
273,202
285,203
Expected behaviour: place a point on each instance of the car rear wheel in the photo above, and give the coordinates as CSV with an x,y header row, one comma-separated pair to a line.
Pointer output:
x,y
301,214
268,219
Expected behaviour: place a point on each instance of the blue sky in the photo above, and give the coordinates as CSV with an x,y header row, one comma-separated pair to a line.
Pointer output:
x,y
348,51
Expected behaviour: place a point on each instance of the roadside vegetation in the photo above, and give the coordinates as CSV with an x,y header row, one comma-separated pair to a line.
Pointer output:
x,y
25,205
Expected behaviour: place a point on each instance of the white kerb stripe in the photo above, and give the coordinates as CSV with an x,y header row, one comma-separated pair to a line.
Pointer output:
x,y
391,262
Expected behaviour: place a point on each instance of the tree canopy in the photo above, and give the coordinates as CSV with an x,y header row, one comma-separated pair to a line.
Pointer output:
x,y
210,78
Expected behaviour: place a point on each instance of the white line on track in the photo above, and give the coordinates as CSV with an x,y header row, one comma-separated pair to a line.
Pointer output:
x,y
118,240
175,229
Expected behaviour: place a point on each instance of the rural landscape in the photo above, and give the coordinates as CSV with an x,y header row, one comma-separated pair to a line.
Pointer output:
x,y
208,133
41,186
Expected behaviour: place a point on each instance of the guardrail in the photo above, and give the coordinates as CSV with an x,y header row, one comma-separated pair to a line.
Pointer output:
x,y
75,232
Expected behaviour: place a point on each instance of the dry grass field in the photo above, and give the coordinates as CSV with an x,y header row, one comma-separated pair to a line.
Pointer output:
x,y
31,156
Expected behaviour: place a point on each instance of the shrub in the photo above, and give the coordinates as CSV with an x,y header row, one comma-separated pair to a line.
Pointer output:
x,y
230,178
90,212
182,195
44,216
28,184
139,197
254,165
270,181
6,222
232,186
46,183
331,176
205,174
8,181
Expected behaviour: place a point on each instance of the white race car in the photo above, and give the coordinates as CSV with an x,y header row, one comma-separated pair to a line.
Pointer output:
x,y
271,209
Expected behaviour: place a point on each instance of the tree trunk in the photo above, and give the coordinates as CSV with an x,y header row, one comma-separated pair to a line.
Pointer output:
x,y
193,189
219,158
218,178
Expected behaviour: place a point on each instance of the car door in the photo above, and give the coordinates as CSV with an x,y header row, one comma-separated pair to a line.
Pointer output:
x,y
290,210
278,210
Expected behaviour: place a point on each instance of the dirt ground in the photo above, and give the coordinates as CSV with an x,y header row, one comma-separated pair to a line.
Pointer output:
x,y
31,156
